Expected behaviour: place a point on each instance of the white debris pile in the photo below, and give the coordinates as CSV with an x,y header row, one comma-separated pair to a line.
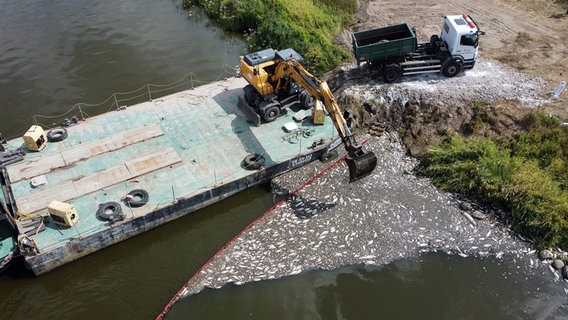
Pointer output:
x,y
384,217
487,81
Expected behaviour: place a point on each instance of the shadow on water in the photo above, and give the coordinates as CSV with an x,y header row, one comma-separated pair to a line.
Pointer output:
x,y
306,208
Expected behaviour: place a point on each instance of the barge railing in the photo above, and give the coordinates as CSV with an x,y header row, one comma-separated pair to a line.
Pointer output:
x,y
119,100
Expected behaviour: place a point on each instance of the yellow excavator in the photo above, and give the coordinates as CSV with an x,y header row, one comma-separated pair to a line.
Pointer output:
x,y
278,80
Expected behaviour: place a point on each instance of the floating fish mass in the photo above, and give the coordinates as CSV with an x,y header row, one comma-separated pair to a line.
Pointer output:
x,y
386,216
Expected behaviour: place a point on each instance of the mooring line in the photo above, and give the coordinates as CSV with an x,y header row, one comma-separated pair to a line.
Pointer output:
x,y
180,292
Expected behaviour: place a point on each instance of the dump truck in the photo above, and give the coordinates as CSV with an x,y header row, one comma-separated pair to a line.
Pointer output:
x,y
394,51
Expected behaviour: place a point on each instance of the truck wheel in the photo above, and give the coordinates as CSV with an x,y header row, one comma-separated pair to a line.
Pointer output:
x,y
451,68
392,73
271,113
307,101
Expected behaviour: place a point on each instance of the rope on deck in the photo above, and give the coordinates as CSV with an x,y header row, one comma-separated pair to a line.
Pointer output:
x,y
183,289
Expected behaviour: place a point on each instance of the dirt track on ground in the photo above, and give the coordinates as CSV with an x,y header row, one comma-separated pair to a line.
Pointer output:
x,y
529,35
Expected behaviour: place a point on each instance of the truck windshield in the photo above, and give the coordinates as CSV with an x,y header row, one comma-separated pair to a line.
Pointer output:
x,y
469,40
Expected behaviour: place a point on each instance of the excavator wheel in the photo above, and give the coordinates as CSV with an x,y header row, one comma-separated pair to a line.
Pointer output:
x,y
360,164
271,111
271,114
307,101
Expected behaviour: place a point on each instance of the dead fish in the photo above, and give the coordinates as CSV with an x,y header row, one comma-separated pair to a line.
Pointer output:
x,y
469,217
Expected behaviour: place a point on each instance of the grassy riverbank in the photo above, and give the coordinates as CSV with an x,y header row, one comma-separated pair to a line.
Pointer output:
x,y
307,26
527,176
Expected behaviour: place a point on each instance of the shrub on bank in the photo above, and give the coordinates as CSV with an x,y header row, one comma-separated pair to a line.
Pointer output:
x,y
527,176
307,26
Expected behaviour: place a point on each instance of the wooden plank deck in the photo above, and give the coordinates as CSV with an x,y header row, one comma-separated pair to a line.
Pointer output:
x,y
46,164
35,167
70,190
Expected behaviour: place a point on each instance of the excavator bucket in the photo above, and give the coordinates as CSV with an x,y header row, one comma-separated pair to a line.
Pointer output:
x,y
361,164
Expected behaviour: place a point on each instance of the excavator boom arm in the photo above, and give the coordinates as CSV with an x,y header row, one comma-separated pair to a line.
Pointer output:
x,y
360,163
319,89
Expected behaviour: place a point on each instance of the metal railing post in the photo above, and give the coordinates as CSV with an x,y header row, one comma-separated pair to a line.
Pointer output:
x,y
115,101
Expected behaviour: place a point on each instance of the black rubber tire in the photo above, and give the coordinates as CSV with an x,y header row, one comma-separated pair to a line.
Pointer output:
x,y
57,134
451,68
253,161
138,198
392,73
271,113
110,211
307,101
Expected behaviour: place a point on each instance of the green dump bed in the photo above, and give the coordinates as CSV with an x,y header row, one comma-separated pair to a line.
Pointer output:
x,y
383,43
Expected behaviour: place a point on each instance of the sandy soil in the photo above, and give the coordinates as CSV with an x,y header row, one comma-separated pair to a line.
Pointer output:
x,y
528,35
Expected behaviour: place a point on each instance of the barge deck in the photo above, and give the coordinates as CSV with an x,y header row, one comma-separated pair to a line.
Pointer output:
x,y
184,150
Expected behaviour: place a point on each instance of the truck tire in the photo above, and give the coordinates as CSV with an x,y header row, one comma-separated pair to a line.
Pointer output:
x,y
451,68
271,112
392,73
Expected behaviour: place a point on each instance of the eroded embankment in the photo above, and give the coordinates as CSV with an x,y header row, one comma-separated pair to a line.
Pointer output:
x,y
490,100
387,216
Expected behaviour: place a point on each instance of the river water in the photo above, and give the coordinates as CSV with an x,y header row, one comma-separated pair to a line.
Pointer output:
x,y
54,54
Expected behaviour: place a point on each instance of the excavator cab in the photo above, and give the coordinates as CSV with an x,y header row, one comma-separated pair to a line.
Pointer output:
x,y
360,163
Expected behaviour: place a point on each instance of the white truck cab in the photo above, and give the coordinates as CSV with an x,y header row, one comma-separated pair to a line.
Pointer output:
x,y
461,34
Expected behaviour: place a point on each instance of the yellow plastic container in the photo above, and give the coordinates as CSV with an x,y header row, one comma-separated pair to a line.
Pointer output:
x,y
62,213
35,139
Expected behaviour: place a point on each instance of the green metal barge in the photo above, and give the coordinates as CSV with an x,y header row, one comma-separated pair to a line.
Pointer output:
x,y
127,171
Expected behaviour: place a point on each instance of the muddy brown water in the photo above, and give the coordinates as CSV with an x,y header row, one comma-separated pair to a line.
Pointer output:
x,y
54,54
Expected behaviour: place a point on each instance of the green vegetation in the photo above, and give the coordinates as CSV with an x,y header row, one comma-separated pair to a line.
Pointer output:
x,y
527,176
307,26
